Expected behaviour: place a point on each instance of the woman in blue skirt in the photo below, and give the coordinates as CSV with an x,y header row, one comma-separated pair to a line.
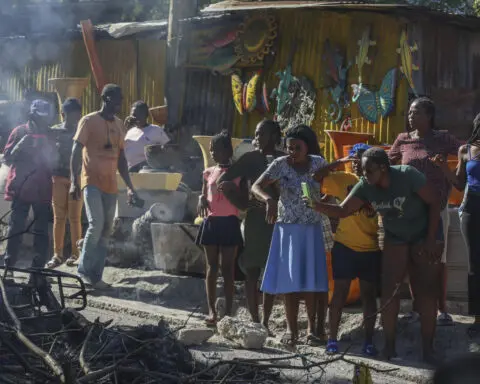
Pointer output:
x,y
296,265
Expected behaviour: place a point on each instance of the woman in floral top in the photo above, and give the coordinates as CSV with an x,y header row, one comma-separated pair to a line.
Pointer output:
x,y
296,265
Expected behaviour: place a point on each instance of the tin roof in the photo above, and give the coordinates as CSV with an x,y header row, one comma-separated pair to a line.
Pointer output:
x,y
404,9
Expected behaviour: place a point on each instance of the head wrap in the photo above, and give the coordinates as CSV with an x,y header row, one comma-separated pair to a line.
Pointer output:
x,y
360,147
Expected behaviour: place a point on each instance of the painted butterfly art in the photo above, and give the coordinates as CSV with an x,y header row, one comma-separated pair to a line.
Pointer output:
x,y
373,104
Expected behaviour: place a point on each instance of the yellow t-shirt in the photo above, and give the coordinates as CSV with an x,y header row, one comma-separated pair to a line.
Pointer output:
x,y
359,231
100,161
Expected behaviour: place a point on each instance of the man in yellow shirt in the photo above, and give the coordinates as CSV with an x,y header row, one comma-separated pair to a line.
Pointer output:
x,y
97,153
355,254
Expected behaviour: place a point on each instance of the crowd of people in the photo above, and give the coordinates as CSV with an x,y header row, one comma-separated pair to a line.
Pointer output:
x,y
71,166
394,218
392,211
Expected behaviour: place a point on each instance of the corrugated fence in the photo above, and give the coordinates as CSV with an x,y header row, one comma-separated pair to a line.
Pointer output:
x,y
138,66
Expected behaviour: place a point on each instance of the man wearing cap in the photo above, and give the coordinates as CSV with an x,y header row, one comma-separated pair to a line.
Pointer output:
x,y
98,151
62,203
30,155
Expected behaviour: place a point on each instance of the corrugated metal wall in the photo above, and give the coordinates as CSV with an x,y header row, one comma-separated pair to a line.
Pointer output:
x,y
449,61
138,66
311,28
208,102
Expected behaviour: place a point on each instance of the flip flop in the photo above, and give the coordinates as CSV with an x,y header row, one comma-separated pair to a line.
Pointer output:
x,y
332,347
314,341
369,350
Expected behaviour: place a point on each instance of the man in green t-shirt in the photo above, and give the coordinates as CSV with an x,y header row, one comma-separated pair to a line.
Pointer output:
x,y
410,212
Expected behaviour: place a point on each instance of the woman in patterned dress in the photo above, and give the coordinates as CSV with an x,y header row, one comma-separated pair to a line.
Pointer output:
x,y
296,265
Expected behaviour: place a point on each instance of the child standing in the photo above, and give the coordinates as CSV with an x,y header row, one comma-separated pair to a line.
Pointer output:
x,y
355,254
219,233
296,265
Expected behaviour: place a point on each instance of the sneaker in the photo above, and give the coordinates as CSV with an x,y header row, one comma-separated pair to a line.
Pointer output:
x,y
101,285
444,319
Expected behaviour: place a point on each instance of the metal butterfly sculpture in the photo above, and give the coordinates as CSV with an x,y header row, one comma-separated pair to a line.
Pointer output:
x,y
376,104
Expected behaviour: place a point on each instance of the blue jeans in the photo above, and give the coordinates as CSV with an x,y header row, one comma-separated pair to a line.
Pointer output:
x,y
17,226
100,208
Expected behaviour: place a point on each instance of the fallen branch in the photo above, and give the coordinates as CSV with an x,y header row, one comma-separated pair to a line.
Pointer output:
x,y
49,360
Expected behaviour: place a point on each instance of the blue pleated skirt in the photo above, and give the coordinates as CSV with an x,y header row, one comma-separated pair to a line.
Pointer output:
x,y
296,261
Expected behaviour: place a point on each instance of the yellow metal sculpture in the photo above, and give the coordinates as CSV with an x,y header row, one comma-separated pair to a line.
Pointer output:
x,y
255,38
407,67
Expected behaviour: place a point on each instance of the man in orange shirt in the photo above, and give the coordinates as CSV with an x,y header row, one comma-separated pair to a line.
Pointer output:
x,y
98,151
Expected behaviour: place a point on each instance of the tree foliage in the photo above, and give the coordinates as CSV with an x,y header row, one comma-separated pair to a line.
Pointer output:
x,y
461,7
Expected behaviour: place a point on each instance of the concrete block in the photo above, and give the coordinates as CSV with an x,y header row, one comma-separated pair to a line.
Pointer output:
x,y
247,334
173,204
195,336
174,248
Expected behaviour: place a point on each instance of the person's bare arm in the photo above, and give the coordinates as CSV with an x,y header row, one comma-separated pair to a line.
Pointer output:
x,y
203,206
75,170
323,172
237,169
238,196
258,189
395,153
350,205
459,177
123,170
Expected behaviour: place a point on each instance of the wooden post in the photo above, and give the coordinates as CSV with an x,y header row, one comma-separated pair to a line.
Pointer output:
x,y
175,84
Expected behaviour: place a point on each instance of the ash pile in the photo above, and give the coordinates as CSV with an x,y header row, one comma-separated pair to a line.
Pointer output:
x,y
43,340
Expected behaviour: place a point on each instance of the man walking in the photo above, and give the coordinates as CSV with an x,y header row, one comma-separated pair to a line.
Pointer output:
x,y
30,155
98,151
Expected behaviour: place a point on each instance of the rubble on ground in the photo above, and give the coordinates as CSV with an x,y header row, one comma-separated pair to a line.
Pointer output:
x,y
195,336
247,334
65,347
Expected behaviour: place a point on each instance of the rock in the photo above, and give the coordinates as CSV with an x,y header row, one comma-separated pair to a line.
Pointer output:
x,y
174,248
220,306
249,335
195,336
170,206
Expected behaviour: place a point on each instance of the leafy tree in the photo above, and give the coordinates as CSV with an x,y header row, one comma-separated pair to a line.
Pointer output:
x,y
462,7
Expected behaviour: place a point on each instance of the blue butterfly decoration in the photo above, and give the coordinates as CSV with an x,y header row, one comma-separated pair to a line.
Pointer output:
x,y
373,104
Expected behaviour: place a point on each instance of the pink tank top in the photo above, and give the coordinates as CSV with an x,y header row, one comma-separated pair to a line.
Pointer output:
x,y
219,204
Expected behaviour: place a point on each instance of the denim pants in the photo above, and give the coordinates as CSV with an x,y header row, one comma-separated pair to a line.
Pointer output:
x,y
100,208
17,226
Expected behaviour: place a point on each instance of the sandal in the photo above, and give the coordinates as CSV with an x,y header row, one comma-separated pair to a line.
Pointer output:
x,y
72,261
444,319
332,347
211,322
313,340
288,340
54,262
369,350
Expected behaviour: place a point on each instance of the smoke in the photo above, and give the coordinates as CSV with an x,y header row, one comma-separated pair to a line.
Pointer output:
x,y
32,34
